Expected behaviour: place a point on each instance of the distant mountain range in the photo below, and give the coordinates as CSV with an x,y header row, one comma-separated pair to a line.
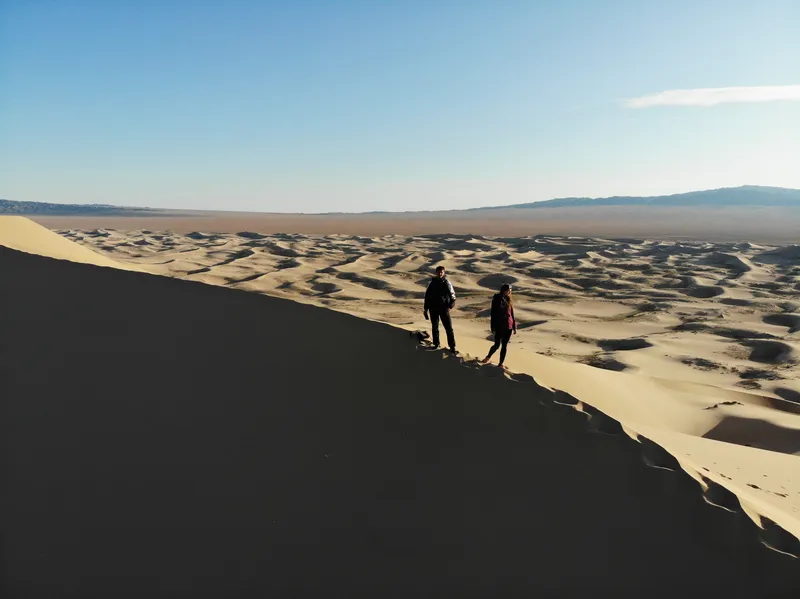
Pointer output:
x,y
46,208
746,195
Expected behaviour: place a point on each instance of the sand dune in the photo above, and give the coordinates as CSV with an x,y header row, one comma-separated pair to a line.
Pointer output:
x,y
701,313
191,440
259,444
19,233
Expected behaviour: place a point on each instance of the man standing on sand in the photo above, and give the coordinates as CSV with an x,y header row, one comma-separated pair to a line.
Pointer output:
x,y
439,300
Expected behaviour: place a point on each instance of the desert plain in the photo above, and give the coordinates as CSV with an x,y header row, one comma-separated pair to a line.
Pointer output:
x,y
224,408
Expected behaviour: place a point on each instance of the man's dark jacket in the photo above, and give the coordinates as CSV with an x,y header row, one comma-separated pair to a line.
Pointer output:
x,y
440,297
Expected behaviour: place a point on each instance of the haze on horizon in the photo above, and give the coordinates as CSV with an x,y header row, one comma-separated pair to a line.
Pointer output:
x,y
352,107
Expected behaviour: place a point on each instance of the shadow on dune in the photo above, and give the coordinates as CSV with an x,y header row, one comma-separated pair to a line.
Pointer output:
x,y
789,400
769,352
164,438
624,344
789,395
606,362
790,321
524,325
756,433
494,281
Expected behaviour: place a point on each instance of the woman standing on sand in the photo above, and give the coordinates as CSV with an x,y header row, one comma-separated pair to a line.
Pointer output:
x,y
503,323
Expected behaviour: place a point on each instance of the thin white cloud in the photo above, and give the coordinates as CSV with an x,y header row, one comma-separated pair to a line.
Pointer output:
x,y
711,96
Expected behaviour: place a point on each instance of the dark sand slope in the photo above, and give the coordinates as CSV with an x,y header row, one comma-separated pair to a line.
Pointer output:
x,y
164,438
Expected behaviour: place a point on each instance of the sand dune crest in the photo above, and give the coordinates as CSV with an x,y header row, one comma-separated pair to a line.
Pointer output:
x,y
19,233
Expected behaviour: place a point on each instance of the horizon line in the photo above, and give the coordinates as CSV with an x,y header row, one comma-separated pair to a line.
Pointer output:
x,y
335,212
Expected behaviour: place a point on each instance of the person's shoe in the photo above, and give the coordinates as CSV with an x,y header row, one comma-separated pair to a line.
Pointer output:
x,y
435,346
454,351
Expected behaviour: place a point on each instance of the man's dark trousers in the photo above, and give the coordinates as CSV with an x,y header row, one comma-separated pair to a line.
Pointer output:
x,y
447,323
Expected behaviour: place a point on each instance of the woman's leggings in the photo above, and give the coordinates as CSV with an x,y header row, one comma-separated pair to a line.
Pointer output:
x,y
500,338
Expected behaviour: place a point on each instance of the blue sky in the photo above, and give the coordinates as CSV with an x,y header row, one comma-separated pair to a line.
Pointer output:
x,y
344,105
